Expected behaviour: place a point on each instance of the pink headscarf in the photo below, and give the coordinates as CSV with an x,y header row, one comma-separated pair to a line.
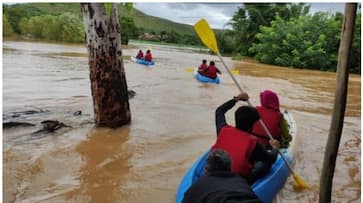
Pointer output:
x,y
270,100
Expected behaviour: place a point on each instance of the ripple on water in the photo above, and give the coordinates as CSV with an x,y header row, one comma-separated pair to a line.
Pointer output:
x,y
172,124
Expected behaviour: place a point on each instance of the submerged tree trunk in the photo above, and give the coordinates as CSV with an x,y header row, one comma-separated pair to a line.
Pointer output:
x,y
336,126
107,74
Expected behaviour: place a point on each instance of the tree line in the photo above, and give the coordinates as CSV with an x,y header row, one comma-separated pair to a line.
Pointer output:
x,y
34,23
284,34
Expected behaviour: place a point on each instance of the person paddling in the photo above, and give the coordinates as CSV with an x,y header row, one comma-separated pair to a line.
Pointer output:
x,y
211,71
243,147
148,56
203,67
269,111
140,55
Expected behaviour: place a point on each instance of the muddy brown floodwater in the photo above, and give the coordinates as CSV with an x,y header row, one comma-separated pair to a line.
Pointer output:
x,y
172,125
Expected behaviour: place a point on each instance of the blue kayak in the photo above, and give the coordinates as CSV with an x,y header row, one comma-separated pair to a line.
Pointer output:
x,y
265,188
205,79
141,61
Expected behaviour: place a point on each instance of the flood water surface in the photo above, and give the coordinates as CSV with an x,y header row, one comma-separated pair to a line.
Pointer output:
x,y
172,125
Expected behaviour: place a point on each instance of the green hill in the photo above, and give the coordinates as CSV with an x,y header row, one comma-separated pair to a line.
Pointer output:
x,y
156,24
146,22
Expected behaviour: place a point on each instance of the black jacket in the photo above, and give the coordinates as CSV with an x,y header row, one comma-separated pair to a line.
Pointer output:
x,y
220,187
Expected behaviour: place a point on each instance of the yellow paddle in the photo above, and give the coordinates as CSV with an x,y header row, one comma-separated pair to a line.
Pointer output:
x,y
206,34
189,69
235,72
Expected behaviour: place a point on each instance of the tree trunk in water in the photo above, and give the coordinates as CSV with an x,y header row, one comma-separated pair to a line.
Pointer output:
x,y
107,74
337,121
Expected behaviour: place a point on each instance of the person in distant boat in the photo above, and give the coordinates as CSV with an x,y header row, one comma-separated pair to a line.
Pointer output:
x,y
203,67
211,71
148,56
220,185
140,55
271,116
243,147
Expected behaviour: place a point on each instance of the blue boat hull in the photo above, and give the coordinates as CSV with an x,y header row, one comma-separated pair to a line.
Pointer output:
x,y
204,79
143,62
265,188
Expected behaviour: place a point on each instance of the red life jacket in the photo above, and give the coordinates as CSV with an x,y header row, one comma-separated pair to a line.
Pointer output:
x,y
148,57
271,119
140,55
239,145
211,72
202,67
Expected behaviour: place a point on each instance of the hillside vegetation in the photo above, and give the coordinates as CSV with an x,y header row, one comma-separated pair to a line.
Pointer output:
x,y
155,24
284,34
141,20
135,22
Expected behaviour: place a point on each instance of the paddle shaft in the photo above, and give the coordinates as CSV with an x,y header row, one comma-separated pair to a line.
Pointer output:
x,y
240,89
249,103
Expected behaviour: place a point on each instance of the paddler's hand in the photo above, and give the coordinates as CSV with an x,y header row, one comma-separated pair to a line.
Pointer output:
x,y
242,97
275,144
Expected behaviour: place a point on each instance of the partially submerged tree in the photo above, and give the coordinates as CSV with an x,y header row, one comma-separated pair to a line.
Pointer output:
x,y
107,74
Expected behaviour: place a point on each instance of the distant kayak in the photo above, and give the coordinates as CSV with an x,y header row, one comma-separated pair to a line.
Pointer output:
x,y
141,61
205,79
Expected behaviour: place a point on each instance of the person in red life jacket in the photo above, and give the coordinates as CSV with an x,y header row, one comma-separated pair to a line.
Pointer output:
x,y
237,141
140,55
148,56
271,116
203,67
219,184
211,71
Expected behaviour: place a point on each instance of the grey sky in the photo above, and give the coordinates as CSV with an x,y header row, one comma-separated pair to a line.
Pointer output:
x,y
217,14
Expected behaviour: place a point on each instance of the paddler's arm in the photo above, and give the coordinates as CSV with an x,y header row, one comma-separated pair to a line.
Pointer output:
x,y
218,71
200,68
222,109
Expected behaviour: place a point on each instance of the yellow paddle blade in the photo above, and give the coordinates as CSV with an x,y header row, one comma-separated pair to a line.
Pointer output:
x,y
299,183
206,34
189,69
235,72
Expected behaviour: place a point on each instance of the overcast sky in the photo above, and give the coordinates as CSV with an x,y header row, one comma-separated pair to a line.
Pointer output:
x,y
217,14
